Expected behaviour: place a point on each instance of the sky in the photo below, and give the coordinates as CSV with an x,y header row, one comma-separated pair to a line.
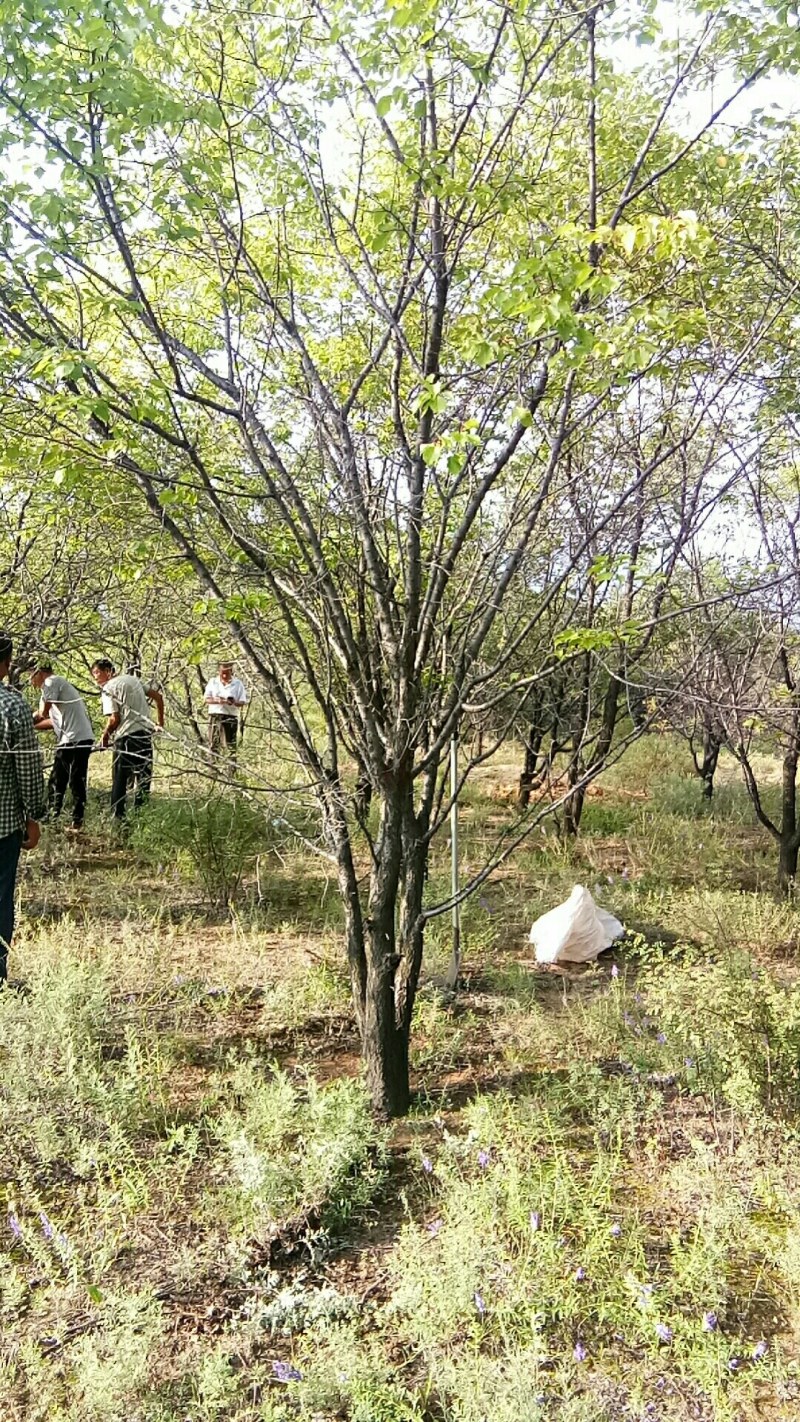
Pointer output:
x,y
778,93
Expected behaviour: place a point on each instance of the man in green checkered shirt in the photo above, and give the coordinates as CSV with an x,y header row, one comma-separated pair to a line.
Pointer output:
x,y
22,800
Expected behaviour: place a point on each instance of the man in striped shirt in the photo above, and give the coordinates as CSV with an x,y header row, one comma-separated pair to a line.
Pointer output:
x,y
22,799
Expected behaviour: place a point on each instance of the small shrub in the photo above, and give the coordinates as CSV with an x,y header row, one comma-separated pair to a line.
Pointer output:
x,y
96,1083
292,1151
217,839
346,1375
736,1029
108,1370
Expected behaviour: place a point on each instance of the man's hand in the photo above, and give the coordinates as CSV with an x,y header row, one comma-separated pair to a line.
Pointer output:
x,y
32,833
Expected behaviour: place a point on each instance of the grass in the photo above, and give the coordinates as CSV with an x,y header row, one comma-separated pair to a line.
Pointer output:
x,y
591,1215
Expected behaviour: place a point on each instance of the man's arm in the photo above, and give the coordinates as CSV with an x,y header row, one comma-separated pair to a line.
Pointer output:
x,y
157,699
41,719
109,728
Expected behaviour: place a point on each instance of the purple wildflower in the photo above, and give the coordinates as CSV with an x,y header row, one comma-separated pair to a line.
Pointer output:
x,y
760,1351
284,1372
47,1228
614,970
480,1306
661,1038
484,1156
645,1295
710,1322
14,1225
734,1365
536,1220
579,1353
434,1227
615,1231
664,1333
688,1062
580,1274
427,1165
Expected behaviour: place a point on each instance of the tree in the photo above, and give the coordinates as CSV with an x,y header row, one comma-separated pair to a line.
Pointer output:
x,y
756,697
340,298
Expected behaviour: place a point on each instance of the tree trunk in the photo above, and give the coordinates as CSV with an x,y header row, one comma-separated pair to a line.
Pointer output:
x,y
637,705
573,809
573,806
385,937
393,957
362,799
353,926
787,865
384,1039
532,747
708,769
789,845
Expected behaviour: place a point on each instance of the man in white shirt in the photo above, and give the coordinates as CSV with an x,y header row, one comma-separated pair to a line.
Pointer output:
x,y
125,701
225,697
62,710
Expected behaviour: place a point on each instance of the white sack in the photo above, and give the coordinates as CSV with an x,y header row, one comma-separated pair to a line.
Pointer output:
x,y
575,932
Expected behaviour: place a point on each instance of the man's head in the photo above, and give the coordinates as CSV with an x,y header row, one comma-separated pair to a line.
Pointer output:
x,y
40,673
226,672
6,653
102,670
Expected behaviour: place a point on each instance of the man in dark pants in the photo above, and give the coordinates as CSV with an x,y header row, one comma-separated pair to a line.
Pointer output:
x,y
21,795
125,703
63,711
225,698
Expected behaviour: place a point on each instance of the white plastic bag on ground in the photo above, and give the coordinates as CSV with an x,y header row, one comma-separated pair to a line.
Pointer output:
x,y
575,932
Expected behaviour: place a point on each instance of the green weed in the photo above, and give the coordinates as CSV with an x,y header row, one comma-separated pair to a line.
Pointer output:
x,y
290,1150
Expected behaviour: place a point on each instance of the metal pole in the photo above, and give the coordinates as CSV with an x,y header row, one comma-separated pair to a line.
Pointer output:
x,y
451,980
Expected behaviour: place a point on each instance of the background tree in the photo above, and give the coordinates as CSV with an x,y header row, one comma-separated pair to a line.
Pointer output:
x,y
755,695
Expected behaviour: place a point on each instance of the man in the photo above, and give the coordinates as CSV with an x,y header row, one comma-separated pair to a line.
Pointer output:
x,y
22,799
62,710
125,702
225,696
